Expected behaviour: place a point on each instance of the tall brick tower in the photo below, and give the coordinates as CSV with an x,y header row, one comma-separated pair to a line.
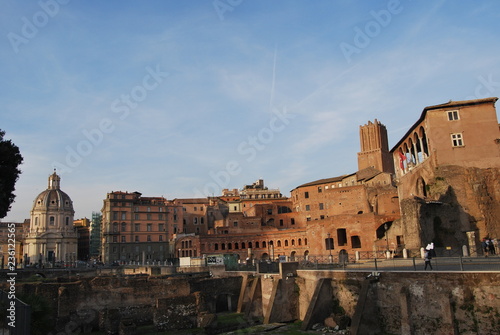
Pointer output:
x,y
374,148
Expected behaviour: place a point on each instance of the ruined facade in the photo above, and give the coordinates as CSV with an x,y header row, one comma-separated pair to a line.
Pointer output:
x,y
447,171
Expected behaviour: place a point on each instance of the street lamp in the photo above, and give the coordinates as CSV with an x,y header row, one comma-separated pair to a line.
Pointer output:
x,y
386,227
329,248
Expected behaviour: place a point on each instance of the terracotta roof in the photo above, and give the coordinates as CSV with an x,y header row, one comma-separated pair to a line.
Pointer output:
x,y
325,181
367,173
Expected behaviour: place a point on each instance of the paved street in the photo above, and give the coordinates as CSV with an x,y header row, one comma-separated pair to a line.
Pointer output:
x,y
417,264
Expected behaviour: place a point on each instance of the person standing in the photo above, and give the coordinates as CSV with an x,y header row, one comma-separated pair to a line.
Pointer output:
x,y
427,259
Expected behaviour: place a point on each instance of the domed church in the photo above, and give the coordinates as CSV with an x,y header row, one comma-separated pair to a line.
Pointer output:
x,y
52,237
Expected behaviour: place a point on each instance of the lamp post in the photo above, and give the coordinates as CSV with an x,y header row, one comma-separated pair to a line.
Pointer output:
x,y
387,254
330,260
386,227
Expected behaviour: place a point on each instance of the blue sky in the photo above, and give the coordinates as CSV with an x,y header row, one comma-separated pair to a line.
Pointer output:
x,y
184,98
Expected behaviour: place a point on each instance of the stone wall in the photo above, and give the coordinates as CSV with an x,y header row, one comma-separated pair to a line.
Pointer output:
x,y
456,200
102,303
391,303
412,303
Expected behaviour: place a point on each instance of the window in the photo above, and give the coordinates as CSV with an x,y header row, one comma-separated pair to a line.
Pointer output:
x,y
160,216
235,223
124,226
149,238
321,206
67,221
320,189
355,242
306,195
52,220
148,216
136,216
115,215
160,226
115,239
292,221
456,140
281,222
124,216
149,227
342,236
195,220
137,227
269,211
308,207
123,239
136,238
453,115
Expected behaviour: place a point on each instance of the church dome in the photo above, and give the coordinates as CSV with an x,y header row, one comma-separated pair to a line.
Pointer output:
x,y
53,199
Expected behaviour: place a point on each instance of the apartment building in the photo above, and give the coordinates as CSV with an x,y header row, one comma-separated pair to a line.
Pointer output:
x,y
137,228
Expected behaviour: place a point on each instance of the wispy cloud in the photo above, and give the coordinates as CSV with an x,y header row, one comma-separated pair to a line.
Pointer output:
x,y
225,78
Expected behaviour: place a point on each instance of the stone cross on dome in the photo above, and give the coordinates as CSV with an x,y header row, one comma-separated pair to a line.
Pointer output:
x,y
54,181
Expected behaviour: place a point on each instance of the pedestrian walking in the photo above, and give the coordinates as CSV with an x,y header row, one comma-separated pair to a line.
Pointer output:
x,y
427,259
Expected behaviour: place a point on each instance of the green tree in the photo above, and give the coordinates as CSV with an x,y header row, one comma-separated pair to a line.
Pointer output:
x,y
10,159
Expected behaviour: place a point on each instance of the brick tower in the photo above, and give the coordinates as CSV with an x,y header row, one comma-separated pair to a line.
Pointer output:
x,y
374,148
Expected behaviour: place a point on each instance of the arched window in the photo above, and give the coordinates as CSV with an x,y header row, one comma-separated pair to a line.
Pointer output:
x,y
242,245
257,244
52,220
263,244
279,243
216,246
249,244
293,242
300,241
236,246
286,243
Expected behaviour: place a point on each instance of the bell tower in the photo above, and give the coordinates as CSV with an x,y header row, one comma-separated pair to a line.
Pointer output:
x,y
374,148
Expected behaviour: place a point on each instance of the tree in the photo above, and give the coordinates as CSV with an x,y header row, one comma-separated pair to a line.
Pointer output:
x,y
10,159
